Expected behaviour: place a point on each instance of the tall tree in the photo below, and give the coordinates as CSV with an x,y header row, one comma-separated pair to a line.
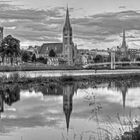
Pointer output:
x,y
25,56
10,47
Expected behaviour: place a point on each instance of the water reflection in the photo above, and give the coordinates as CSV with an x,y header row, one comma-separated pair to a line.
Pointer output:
x,y
69,92
9,95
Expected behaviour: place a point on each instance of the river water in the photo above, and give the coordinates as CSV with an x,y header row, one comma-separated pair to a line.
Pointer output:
x,y
69,110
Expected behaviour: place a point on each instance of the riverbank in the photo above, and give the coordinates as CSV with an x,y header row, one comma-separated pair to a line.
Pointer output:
x,y
36,67
67,76
45,67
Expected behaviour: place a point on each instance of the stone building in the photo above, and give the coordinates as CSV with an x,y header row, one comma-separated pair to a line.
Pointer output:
x,y
65,50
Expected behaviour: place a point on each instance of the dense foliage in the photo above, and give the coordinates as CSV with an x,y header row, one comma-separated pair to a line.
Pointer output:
x,y
10,47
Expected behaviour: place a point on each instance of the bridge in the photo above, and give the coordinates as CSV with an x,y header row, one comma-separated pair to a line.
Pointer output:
x,y
110,63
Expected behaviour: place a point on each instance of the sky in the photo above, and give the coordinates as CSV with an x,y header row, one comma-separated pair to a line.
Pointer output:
x,y
95,23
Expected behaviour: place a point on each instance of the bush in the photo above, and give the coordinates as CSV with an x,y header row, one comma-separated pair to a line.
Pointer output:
x,y
42,60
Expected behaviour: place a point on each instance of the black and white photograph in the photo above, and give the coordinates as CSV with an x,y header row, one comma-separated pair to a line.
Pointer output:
x,y
69,69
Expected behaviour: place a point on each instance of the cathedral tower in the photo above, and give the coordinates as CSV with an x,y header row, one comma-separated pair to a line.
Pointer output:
x,y
124,45
68,45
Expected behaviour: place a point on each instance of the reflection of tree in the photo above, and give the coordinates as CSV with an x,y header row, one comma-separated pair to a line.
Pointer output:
x,y
9,94
1,101
51,89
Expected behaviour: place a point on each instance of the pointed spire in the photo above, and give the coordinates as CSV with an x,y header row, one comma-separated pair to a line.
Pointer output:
x,y
67,21
124,39
124,35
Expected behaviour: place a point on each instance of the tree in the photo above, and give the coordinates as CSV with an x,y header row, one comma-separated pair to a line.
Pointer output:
x,y
52,53
138,59
10,47
98,59
25,56
34,58
125,59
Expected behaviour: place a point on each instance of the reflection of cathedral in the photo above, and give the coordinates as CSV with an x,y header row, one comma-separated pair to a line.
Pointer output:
x,y
124,90
122,87
68,92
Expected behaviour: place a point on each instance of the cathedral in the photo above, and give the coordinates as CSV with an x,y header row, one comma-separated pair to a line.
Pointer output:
x,y
124,47
65,50
122,51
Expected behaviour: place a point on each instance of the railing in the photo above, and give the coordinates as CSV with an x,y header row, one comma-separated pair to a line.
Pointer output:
x,y
109,63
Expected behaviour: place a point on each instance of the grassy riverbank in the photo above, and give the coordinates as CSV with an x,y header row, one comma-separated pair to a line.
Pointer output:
x,y
36,67
43,67
15,78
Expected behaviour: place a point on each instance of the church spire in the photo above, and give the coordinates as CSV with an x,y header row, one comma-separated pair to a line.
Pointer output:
x,y
67,20
124,39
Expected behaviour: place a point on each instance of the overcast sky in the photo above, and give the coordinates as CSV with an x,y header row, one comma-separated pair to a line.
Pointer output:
x,y
96,23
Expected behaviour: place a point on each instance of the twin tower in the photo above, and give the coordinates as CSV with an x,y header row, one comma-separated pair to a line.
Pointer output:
x,y
69,50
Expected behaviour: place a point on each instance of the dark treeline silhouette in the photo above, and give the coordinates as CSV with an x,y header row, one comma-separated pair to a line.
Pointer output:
x,y
9,95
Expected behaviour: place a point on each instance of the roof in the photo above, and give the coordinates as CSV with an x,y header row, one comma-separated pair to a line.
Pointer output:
x,y
46,47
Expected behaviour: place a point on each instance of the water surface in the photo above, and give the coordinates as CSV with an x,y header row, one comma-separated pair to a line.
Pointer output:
x,y
72,110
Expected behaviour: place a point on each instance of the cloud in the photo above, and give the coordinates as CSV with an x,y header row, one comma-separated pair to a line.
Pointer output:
x,y
122,7
100,30
100,27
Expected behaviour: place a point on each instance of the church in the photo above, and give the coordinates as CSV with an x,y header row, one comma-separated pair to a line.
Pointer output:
x,y
66,50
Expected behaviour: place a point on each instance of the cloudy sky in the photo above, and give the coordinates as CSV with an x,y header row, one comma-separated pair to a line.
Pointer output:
x,y
96,23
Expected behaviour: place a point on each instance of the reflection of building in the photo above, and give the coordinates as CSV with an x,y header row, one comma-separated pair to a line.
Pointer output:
x,y
68,91
66,50
120,86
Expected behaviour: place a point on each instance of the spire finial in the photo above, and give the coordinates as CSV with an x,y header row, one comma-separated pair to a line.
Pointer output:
x,y
67,20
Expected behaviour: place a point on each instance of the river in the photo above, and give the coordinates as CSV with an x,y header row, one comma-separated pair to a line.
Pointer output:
x,y
70,110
